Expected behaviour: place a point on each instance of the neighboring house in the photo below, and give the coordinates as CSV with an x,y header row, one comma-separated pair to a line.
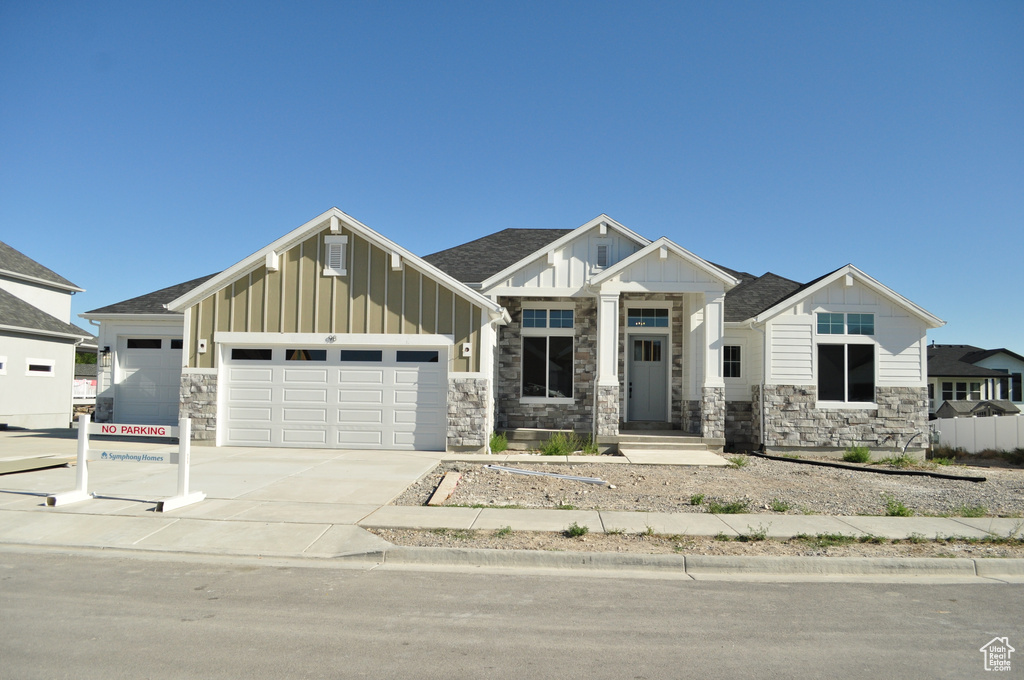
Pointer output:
x,y
968,373
37,343
335,336
968,409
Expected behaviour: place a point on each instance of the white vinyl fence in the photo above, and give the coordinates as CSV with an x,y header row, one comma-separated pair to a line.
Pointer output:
x,y
1001,433
84,389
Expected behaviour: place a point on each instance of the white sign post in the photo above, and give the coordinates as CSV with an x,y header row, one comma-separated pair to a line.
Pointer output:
x,y
184,434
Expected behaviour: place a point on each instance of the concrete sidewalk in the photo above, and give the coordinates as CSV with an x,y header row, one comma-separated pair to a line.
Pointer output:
x,y
309,503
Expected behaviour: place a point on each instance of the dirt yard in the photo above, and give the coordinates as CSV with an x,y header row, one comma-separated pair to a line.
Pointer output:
x,y
757,486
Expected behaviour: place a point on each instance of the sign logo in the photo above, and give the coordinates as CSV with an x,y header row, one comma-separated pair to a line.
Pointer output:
x,y
331,338
997,654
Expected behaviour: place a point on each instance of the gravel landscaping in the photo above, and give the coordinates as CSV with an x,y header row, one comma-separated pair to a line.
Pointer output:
x,y
756,486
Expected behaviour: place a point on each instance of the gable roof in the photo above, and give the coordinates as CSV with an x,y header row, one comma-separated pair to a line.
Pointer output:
x,y
478,260
527,258
217,281
150,303
958,361
756,294
19,316
975,357
17,265
966,407
679,251
849,270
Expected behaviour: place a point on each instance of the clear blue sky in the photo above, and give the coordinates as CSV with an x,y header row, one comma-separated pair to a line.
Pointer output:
x,y
784,137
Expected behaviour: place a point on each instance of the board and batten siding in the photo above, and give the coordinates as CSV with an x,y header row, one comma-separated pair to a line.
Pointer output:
x,y
371,297
573,263
899,338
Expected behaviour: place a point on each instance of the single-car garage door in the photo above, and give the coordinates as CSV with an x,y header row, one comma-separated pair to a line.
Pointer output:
x,y
148,380
366,398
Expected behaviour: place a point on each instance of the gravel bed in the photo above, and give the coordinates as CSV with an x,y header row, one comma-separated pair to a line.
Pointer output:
x,y
765,486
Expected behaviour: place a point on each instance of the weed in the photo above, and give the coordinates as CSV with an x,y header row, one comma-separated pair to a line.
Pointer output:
x,y
733,508
565,506
902,460
857,454
649,531
738,461
502,532
972,511
779,506
722,536
590,447
870,538
477,506
457,534
944,461
499,442
915,537
696,499
560,444
615,532
575,530
895,508
825,540
947,452
791,456
758,534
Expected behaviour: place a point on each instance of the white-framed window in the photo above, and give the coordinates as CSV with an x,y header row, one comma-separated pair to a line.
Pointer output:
x,y
647,317
731,361
336,255
3,365
548,356
961,390
39,367
846,373
830,323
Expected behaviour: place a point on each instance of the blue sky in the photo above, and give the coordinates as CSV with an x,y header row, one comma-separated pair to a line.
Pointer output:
x,y
143,144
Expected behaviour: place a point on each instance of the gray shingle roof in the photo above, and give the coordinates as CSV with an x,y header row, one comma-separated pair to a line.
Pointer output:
x,y
152,303
956,361
17,313
755,295
18,263
478,260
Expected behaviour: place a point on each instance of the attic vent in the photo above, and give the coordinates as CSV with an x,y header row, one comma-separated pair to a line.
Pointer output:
x,y
602,255
335,257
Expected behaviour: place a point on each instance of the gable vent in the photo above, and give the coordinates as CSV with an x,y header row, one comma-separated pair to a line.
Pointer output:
x,y
334,261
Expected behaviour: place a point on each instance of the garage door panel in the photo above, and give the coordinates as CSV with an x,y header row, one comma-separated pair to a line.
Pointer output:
x,y
383,404
148,381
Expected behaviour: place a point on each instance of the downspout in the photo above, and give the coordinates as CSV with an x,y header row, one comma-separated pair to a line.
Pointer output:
x,y
500,318
764,371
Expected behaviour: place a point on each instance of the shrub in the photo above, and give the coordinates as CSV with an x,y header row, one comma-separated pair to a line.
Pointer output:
x,y
739,461
575,530
589,447
902,460
779,506
857,454
696,499
733,508
499,442
562,444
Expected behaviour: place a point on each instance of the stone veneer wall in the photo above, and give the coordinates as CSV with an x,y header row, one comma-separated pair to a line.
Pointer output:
x,y
793,420
199,402
607,411
679,416
578,415
739,424
104,412
712,413
691,414
467,413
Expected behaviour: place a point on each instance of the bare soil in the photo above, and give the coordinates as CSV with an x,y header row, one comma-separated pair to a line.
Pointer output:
x,y
759,486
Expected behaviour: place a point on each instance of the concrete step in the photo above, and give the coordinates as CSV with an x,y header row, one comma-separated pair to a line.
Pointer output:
x,y
665,445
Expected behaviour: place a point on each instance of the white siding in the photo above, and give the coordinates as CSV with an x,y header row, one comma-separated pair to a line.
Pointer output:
x,y
751,362
901,352
573,263
791,358
654,269
36,401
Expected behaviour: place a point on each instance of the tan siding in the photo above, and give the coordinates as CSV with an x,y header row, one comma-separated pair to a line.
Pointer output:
x,y
444,311
325,293
223,298
239,303
476,314
273,294
307,285
463,333
193,333
428,323
256,294
290,300
411,322
360,284
393,313
378,279
206,310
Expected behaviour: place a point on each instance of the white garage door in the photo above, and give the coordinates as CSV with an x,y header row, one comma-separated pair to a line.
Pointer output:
x,y
148,381
336,398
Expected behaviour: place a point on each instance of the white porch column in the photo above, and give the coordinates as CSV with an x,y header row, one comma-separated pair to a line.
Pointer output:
x,y
608,340
714,334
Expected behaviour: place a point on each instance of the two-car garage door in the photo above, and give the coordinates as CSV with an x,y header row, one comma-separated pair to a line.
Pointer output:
x,y
371,398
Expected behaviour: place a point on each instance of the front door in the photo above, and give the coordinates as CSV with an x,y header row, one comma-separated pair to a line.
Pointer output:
x,y
648,378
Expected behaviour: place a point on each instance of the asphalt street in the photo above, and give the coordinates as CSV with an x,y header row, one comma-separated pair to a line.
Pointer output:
x,y
68,614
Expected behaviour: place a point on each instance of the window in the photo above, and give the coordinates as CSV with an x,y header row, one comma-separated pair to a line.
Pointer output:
x,y
361,355
931,391
731,361
3,365
548,353
846,373
176,343
647,318
960,391
850,324
39,367
250,354
602,255
417,356
143,343
336,255
1016,387
305,355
